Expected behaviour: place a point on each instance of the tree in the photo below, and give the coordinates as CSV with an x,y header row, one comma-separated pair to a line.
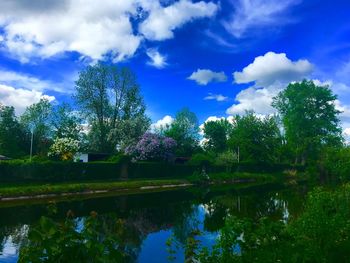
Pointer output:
x,y
256,139
309,117
110,98
36,120
216,134
66,123
184,130
152,147
64,148
12,136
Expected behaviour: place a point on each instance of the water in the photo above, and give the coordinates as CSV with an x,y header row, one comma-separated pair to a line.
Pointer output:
x,y
149,220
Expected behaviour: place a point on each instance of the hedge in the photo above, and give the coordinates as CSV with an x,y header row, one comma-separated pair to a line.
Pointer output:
x,y
22,171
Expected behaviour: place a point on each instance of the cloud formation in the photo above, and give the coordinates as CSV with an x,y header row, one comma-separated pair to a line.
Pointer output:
x,y
217,97
273,67
28,82
157,60
162,123
94,29
162,21
20,98
270,74
205,76
256,14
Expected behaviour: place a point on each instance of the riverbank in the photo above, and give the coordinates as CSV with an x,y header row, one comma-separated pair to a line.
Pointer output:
x,y
26,192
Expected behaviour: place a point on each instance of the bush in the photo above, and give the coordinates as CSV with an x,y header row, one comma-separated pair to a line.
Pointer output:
x,y
201,159
119,158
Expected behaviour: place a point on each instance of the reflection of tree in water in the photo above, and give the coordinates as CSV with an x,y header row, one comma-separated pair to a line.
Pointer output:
x,y
281,205
17,235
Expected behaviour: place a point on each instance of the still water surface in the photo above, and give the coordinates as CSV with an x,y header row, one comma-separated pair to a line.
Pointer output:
x,y
151,219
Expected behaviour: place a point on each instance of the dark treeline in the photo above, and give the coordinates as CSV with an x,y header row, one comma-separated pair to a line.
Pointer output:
x,y
109,117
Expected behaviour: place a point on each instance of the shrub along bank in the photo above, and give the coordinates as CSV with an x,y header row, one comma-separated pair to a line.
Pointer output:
x,y
49,171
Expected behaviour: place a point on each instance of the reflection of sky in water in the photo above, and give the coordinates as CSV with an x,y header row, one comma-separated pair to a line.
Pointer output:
x,y
153,248
9,253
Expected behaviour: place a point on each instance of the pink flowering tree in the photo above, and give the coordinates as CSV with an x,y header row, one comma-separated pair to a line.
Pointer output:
x,y
152,147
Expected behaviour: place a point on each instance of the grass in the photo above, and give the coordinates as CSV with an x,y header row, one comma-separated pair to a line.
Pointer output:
x,y
60,188
135,185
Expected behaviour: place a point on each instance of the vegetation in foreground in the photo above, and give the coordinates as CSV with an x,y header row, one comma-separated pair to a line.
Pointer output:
x,y
320,234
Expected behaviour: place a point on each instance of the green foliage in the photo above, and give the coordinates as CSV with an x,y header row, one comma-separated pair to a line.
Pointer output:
x,y
64,242
336,163
12,135
216,135
66,123
256,139
36,119
309,117
184,130
119,158
201,159
320,234
110,98
227,159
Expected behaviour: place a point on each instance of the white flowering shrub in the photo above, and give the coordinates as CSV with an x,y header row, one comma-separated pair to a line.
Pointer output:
x,y
64,148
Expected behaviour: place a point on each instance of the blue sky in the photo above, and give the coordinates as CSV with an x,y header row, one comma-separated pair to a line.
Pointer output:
x,y
219,58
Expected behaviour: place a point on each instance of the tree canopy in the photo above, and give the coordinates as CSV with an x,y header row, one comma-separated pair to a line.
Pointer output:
x,y
309,117
185,131
110,99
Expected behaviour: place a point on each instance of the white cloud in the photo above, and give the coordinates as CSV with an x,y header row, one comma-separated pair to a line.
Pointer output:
x,y
204,76
258,100
20,98
272,67
217,97
89,27
270,73
162,123
28,82
161,22
252,14
156,59
95,29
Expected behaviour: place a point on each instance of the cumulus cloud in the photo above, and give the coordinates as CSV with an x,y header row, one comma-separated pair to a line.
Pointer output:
x,y
156,59
270,74
89,27
217,97
162,123
271,67
252,14
205,76
20,98
162,21
255,99
95,29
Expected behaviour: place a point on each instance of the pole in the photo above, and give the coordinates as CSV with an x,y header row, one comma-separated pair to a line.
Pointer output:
x,y
31,146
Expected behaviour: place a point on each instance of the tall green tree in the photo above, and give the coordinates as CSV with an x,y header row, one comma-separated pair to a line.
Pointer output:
x,y
66,123
216,134
309,117
12,136
110,98
37,120
256,139
184,130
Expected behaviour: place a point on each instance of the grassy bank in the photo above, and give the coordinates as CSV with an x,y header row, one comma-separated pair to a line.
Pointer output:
x,y
36,190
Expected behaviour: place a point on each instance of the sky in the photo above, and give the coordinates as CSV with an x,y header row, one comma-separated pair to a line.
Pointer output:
x,y
219,58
